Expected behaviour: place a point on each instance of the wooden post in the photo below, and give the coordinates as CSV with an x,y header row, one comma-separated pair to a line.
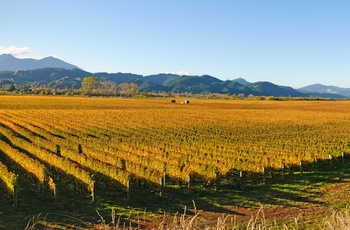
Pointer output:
x,y
343,158
189,183
161,181
216,180
272,175
58,150
316,164
139,183
283,170
55,193
128,190
264,175
15,196
123,164
93,192
80,148
301,167
164,178
330,159
241,180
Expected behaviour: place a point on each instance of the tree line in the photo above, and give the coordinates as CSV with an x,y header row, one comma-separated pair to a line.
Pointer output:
x,y
90,86
93,86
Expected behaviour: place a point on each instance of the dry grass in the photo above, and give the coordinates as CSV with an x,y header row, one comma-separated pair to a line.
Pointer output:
x,y
339,220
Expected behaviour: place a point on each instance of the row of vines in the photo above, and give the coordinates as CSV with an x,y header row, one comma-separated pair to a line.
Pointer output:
x,y
96,139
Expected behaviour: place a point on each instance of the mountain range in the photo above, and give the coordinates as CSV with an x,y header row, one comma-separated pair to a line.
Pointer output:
x,y
54,73
11,63
328,89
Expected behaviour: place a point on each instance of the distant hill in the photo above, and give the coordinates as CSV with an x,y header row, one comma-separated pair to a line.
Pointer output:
x,y
49,77
55,73
191,84
161,78
117,77
241,81
260,88
11,63
324,89
150,86
60,78
233,87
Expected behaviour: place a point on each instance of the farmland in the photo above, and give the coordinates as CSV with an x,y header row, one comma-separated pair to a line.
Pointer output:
x,y
115,150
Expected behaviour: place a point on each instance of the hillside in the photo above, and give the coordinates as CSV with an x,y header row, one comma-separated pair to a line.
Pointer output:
x,y
11,63
59,78
260,88
54,73
319,88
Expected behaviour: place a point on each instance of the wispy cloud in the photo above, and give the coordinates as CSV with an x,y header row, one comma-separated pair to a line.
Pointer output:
x,y
183,73
19,52
179,73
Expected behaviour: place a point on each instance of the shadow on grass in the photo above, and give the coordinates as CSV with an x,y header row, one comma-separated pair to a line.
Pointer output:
x,y
295,190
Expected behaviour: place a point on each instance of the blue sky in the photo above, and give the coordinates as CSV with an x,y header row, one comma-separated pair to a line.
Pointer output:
x,y
294,43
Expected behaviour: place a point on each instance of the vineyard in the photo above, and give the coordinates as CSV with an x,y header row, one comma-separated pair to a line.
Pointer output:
x,y
89,146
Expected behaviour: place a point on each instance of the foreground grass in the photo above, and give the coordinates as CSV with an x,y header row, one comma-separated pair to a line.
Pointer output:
x,y
340,219
310,201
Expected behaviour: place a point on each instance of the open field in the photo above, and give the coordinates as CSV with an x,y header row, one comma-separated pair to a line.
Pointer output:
x,y
71,156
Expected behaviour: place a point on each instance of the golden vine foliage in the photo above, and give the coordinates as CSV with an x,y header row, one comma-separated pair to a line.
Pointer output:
x,y
147,138
7,177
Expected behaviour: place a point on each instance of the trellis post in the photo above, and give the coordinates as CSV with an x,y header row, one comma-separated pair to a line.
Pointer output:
x,y
264,175
241,180
93,192
216,180
80,148
55,193
128,190
316,164
330,156
58,150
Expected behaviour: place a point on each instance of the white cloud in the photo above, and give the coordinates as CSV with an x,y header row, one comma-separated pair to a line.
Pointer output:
x,y
19,52
331,91
182,73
